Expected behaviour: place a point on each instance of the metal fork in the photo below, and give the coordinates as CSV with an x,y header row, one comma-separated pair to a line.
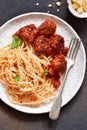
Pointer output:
x,y
71,56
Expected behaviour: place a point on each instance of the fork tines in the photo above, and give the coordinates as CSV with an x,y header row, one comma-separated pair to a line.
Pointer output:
x,y
73,48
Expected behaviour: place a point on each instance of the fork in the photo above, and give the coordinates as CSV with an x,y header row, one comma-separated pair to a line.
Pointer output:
x,y
71,56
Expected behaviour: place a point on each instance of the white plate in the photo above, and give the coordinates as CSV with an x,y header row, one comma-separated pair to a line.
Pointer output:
x,y
73,12
76,74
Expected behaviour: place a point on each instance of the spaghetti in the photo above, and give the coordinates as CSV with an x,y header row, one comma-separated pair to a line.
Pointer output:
x,y
33,87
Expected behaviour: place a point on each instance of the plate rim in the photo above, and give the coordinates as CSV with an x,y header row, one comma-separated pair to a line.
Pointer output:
x,y
83,49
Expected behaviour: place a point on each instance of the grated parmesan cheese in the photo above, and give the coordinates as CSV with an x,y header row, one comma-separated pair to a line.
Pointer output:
x,y
50,5
58,3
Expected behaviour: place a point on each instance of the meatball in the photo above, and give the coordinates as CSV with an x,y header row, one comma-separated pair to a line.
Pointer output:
x,y
56,43
47,28
58,65
41,46
27,33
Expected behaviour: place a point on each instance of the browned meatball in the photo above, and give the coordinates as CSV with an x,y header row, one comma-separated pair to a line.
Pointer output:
x,y
57,65
47,28
56,43
27,33
41,46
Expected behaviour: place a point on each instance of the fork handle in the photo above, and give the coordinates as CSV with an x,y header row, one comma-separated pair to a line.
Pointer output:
x,y
55,110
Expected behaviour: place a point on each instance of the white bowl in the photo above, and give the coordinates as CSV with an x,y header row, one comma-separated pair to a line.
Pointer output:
x,y
73,12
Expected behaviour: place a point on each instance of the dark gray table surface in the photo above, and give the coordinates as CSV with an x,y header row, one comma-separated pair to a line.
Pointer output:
x,y
73,116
